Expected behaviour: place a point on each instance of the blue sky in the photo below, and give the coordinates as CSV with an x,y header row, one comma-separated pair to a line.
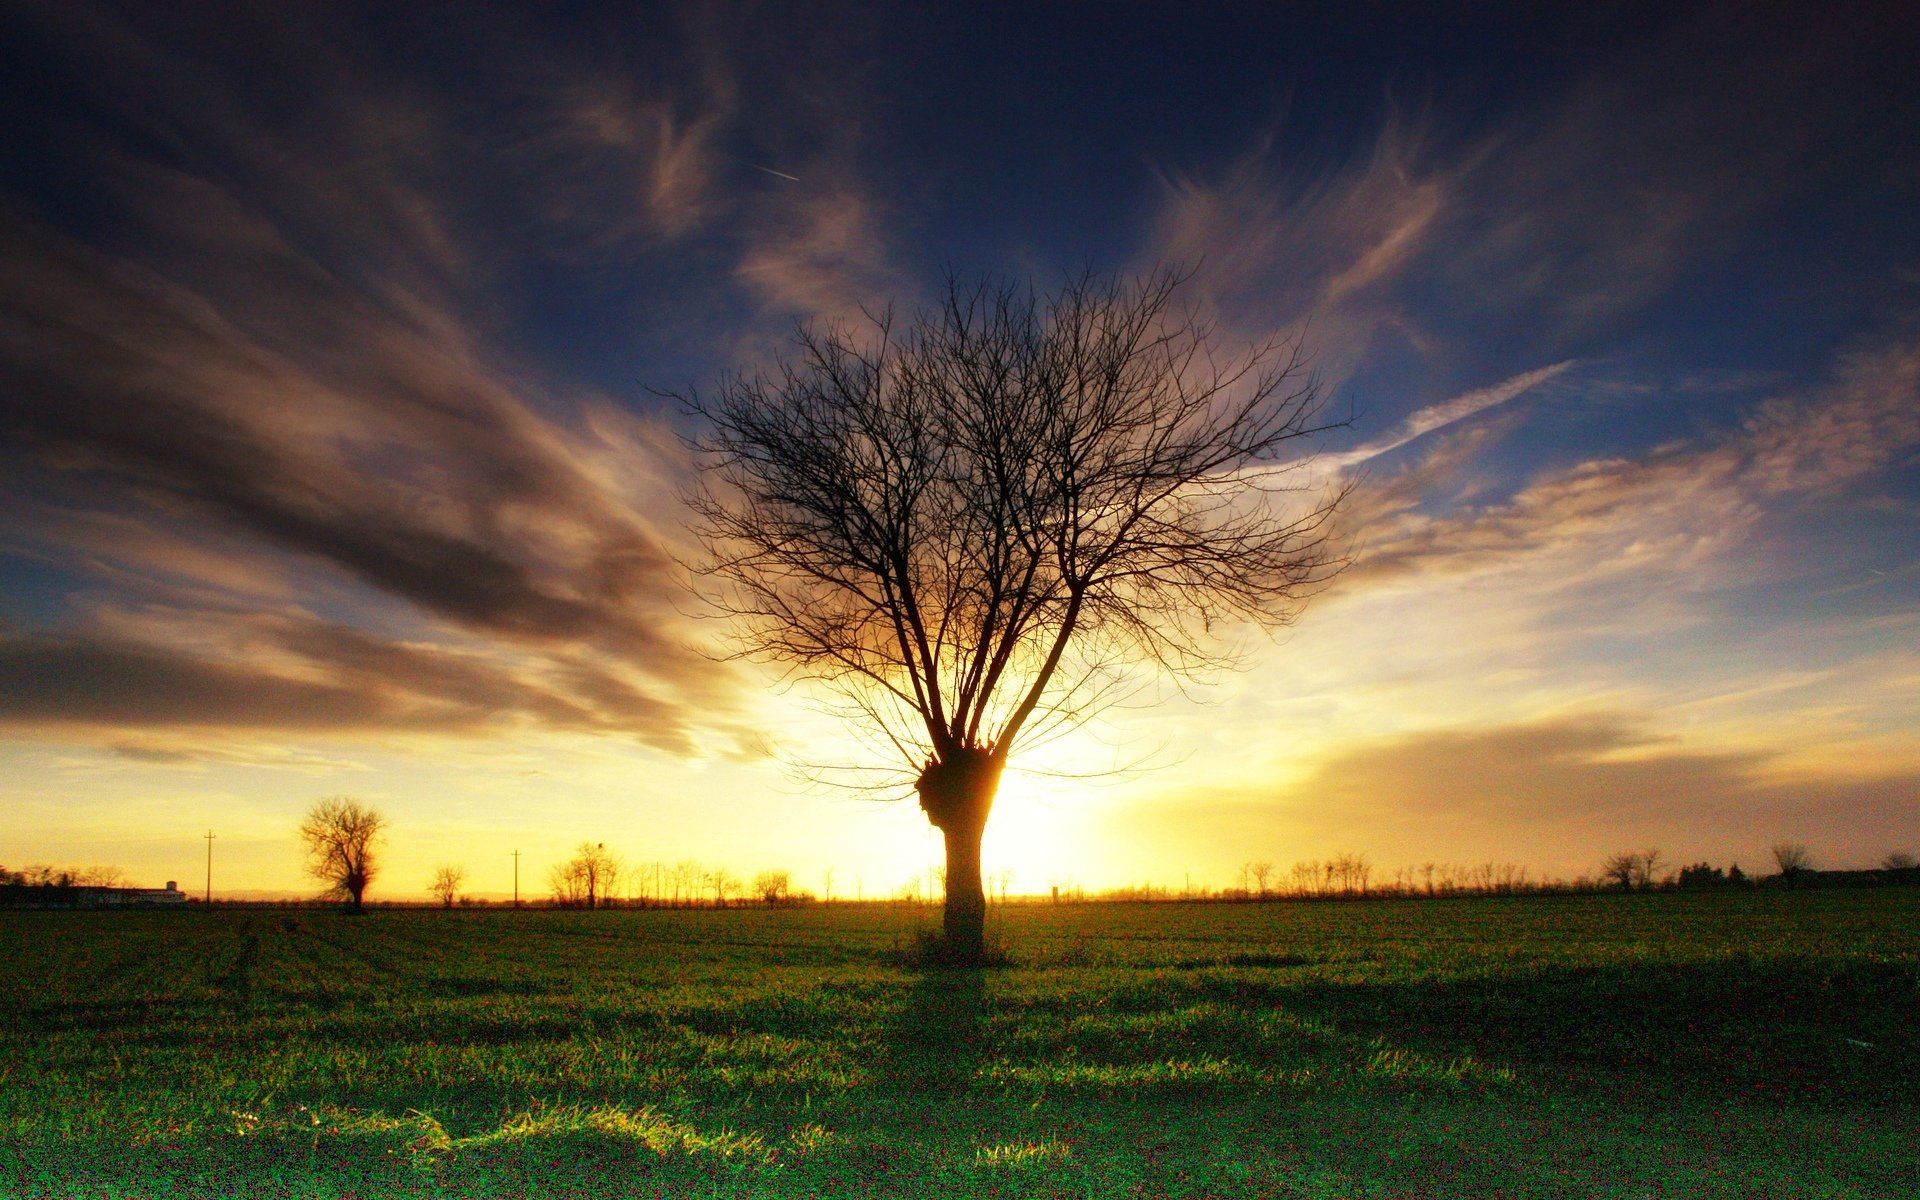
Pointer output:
x,y
333,344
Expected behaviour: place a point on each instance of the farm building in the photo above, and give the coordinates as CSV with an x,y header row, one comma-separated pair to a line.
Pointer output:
x,y
89,896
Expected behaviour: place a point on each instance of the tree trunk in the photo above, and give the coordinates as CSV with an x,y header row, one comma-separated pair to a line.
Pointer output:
x,y
957,793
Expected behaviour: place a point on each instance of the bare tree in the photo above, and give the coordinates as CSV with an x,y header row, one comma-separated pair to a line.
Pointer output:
x,y
977,531
446,882
1793,859
688,877
1646,869
772,886
588,878
340,834
1899,860
1002,881
1306,877
1621,869
1260,872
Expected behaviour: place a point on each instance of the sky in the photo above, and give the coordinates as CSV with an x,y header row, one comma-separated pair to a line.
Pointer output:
x,y
340,454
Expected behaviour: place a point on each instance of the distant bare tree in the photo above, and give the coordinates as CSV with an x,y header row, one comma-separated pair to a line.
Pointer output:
x,y
772,886
1259,873
688,878
340,834
446,882
1897,861
1003,880
1646,868
1622,869
976,531
1306,876
588,879
826,888
1793,859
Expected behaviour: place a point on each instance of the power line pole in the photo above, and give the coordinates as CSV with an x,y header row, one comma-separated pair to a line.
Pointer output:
x,y
209,866
516,879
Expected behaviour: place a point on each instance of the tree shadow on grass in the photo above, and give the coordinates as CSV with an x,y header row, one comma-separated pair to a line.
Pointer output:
x,y
940,1040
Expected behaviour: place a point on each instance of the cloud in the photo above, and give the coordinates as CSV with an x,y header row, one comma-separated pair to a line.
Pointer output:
x,y
292,677
820,252
275,370
65,681
1541,230
340,431
617,166
1438,416
1679,503
1558,795
1272,246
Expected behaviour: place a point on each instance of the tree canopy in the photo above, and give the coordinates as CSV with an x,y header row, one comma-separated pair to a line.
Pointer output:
x,y
980,525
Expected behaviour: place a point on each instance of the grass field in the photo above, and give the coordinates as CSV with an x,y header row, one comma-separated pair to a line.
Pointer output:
x,y
1646,1045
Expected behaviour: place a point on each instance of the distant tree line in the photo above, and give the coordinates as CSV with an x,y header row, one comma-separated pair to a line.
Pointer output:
x,y
43,876
342,837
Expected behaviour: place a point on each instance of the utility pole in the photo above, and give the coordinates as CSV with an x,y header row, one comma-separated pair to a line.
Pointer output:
x,y
209,866
516,879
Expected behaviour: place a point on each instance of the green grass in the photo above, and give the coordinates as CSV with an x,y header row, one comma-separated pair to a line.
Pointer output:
x,y
1630,1046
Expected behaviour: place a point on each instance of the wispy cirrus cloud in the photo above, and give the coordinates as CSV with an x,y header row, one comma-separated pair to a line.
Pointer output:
x,y
821,251
249,393
1678,502
1273,247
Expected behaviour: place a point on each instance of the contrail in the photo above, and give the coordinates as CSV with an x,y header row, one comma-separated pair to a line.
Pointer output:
x,y
771,171
1438,416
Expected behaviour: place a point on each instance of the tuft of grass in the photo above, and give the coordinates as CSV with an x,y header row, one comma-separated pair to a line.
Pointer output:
x,y
1022,1154
930,948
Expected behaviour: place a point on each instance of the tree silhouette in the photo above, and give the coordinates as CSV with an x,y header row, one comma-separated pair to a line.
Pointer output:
x,y
340,834
978,530
587,879
1793,859
446,883
772,886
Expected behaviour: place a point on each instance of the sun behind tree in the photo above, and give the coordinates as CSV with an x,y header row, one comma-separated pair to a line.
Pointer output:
x,y
340,834
978,530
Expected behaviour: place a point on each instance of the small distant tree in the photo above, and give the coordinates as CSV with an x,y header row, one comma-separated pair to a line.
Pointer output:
x,y
688,877
341,834
588,878
1305,876
446,883
1003,880
1897,861
826,891
1646,868
1621,869
1793,859
1259,873
772,886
